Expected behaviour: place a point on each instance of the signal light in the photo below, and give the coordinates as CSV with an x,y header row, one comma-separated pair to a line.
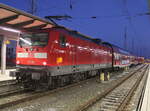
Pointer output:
x,y
18,62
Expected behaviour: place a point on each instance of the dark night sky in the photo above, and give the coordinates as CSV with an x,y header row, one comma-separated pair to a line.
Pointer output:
x,y
112,16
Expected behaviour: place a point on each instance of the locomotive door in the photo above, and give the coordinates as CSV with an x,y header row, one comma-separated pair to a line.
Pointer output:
x,y
72,49
74,53
63,50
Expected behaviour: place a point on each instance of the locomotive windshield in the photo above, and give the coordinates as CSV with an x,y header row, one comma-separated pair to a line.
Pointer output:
x,y
34,39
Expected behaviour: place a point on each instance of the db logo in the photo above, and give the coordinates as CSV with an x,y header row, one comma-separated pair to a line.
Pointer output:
x,y
31,55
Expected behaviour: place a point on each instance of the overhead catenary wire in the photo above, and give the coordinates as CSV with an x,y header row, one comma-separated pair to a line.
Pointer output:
x,y
106,16
129,18
33,6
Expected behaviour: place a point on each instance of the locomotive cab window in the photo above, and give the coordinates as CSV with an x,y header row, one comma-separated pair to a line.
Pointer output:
x,y
62,40
34,39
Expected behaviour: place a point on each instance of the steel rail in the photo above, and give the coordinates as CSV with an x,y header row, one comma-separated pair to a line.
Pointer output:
x,y
12,92
7,82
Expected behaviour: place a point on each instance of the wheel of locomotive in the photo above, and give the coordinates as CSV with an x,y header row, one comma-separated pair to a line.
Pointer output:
x,y
71,79
82,76
76,77
86,75
60,81
51,82
35,84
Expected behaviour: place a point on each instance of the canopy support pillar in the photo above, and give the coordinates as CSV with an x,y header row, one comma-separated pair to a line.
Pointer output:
x,y
3,55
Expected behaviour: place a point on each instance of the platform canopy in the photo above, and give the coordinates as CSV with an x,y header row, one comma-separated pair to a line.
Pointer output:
x,y
16,19
12,22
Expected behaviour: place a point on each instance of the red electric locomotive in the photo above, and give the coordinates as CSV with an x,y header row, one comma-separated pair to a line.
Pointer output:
x,y
58,55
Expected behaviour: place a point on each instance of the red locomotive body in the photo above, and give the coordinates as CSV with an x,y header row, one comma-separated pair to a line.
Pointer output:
x,y
63,50
59,54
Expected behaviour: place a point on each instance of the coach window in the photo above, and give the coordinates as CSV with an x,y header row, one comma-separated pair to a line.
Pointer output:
x,y
62,40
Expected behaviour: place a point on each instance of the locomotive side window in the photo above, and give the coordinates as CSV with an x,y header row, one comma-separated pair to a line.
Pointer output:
x,y
62,40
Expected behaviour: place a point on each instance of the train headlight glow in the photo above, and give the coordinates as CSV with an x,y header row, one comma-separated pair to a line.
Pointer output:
x,y
18,62
44,63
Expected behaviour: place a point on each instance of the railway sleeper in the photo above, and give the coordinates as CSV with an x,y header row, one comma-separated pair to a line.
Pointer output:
x,y
108,108
112,104
108,100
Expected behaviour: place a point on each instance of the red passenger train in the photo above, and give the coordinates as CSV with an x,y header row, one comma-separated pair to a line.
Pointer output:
x,y
58,56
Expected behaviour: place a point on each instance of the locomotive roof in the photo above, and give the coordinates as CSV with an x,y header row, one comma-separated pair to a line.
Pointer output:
x,y
78,34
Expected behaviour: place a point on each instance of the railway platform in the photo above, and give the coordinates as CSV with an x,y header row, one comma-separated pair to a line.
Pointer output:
x,y
6,76
145,104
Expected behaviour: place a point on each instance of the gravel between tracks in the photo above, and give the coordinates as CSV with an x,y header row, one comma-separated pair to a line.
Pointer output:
x,y
67,99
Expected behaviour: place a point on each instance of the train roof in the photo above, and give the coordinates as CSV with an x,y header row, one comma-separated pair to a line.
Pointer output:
x,y
78,34
118,49
121,50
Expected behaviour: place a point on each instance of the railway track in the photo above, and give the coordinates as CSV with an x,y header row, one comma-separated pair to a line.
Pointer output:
x,y
12,92
26,96
17,97
9,87
7,82
116,97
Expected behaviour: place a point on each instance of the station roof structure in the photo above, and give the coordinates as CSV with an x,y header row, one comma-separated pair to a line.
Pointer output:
x,y
20,20
16,19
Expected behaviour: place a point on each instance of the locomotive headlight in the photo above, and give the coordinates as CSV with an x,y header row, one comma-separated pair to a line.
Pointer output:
x,y
44,63
18,62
